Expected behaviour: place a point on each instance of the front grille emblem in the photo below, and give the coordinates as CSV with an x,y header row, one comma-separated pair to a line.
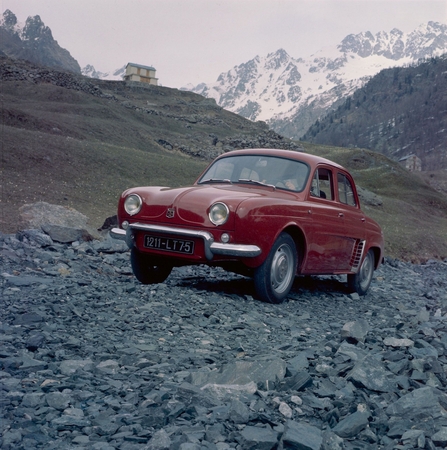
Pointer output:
x,y
170,213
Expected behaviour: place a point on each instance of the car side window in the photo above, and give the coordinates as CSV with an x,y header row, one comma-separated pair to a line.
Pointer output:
x,y
345,190
322,184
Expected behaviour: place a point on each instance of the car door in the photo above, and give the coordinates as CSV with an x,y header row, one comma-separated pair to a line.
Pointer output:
x,y
353,217
330,246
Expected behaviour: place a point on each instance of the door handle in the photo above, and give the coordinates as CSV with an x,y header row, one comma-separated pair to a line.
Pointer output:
x,y
341,215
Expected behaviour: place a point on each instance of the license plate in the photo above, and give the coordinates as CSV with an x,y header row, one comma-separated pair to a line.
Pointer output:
x,y
169,244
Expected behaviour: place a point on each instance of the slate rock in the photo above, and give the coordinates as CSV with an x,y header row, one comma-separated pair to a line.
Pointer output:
x,y
58,400
371,374
440,437
355,331
35,236
298,382
418,406
35,341
353,424
257,438
63,234
300,436
70,366
239,412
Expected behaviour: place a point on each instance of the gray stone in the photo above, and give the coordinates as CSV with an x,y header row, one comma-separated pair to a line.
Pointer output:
x,y
35,236
300,436
355,331
63,234
353,424
371,374
417,406
159,441
298,382
70,366
440,437
33,399
258,438
35,341
65,422
34,216
331,441
239,412
243,372
58,400
395,342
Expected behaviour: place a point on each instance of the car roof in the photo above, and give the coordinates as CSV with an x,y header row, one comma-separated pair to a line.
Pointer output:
x,y
312,160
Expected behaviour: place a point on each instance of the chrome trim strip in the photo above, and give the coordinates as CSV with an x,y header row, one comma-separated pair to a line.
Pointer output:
x,y
211,248
118,233
247,251
123,235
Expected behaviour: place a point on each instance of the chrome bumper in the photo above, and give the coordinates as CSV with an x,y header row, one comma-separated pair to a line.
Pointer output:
x,y
211,248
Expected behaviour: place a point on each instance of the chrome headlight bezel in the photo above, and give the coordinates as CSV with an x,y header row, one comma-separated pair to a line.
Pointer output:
x,y
219,213
133,204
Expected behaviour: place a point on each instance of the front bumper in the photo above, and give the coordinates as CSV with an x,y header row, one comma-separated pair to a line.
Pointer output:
x,y
211,248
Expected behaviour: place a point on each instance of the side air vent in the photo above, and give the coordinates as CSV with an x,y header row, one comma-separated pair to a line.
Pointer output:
x,y
357,255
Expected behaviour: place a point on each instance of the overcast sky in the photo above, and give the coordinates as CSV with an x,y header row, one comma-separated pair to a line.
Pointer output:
x,y
193,41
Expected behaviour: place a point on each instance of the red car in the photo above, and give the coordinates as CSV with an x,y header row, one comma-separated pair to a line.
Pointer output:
x,y
271,214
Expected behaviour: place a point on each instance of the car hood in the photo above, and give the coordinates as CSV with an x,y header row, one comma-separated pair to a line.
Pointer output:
x,y
190,206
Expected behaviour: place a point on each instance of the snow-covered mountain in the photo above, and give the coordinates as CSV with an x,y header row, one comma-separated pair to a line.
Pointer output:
x,y
290,94
91,72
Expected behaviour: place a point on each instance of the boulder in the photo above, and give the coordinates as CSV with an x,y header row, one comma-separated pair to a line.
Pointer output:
x,y
62,224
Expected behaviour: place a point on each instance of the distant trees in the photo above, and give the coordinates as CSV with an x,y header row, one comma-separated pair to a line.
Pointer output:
x,y
398,112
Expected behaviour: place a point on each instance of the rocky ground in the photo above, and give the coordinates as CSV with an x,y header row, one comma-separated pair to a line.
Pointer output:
x,y
92,359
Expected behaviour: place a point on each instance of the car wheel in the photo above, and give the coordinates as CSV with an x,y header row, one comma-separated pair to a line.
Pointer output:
x,y
359,282
274,278
145,270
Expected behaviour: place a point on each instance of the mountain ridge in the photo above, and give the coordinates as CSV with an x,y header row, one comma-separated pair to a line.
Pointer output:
x,y
290,94
34,42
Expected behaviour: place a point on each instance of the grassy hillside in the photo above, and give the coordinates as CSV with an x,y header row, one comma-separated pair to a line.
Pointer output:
x,y
78,142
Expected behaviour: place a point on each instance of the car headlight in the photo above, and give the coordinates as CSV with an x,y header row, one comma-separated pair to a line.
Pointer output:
x,y
219,213
133,204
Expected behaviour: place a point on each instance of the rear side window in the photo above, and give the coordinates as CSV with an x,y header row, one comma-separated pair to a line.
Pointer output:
x,y
322,184
345,190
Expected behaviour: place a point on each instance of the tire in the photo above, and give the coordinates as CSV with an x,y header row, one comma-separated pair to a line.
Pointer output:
x,y
359,282
274,278
144,269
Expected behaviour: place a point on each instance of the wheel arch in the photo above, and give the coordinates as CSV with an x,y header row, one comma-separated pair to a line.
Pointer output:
x,y
298,236
377,256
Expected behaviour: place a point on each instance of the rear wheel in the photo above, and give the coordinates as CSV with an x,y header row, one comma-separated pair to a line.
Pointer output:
x,y
146,270
274,278
359,282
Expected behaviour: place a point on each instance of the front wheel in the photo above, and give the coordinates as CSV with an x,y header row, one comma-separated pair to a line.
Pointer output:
x,y
274,277
359,282
145,269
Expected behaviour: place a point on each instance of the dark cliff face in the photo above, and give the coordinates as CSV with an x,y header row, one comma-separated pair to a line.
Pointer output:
x,y
34,42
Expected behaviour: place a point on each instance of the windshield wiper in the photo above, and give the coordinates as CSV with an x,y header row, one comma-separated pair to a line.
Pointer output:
x,y
216,180
261,183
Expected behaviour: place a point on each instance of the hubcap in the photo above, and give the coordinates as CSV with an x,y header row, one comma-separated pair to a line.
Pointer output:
x,y
366,271
282,269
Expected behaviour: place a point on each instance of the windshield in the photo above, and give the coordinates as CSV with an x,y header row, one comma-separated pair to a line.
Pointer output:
x,y
282,173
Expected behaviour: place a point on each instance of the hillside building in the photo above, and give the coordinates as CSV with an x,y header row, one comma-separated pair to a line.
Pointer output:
x,y
142,74
411,163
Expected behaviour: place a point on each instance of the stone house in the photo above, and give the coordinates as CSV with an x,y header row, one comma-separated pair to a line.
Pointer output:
x,y
411,163
143,74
